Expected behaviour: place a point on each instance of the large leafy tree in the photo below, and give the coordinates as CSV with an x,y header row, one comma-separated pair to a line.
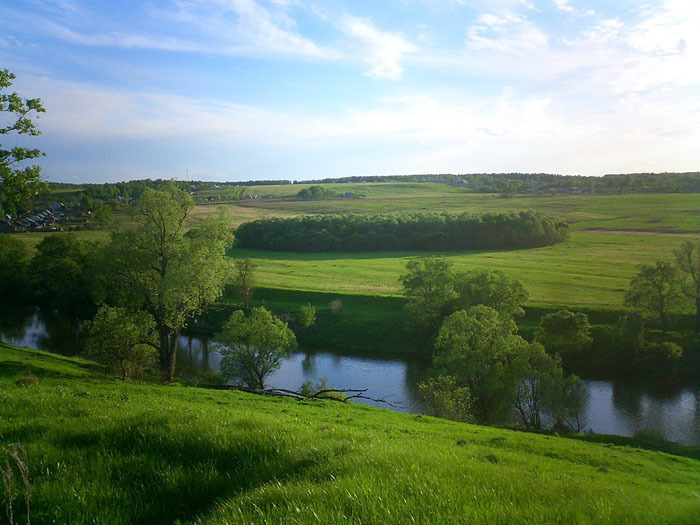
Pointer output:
x,y
121,339
655,290
481,349
157,268
253,346
492,288
429,287
688,262
18,182
565,333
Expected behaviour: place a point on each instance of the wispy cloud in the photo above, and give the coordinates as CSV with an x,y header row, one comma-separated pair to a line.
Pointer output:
x,y
384,51
505,32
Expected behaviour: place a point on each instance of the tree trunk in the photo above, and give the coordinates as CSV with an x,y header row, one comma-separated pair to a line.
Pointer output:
x,y
164,354
697,315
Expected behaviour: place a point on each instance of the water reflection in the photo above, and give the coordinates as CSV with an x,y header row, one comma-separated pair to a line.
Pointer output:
x,y
613,407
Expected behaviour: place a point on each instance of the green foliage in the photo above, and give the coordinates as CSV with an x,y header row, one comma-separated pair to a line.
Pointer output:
x,y
416,231
688,262
62,272
155,268
434,291
122,340
244,279
429,287
14,260
19,183
316,193
480,348
540,385
654,291
252,347
104,215
493,288
658,359
565,333
444,398
307,315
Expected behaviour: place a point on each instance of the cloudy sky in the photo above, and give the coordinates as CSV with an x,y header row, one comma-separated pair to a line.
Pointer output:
x,y
296,89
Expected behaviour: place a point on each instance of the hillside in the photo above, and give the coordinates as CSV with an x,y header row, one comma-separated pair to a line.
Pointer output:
x,y
105,452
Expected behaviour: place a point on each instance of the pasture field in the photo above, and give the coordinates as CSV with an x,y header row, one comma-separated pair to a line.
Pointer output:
x,y
610,236
103,451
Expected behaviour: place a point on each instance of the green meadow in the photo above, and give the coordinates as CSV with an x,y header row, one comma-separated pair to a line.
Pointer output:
x,y
610,236
103,451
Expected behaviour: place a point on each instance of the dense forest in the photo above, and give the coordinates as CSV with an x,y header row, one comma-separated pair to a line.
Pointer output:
x,y
414,231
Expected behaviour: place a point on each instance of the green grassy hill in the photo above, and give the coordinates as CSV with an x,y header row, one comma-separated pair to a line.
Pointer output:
x,y
100,451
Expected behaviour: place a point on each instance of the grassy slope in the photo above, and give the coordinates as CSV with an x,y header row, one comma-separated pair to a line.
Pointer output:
x,y
106,452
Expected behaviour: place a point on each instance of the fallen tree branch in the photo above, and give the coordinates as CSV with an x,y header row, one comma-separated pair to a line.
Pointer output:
x,y
355,393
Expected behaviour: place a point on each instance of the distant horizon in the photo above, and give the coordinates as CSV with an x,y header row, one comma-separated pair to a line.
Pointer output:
x,y
308,181
226,90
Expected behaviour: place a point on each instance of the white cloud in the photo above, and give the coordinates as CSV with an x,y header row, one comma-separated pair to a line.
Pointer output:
x,y
507,32
563,5
383,50
216,27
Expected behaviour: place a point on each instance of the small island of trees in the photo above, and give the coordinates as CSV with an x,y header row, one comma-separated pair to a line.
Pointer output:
x,y
414,231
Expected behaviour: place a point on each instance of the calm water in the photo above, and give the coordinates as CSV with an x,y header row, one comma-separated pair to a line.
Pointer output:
x,y
613,407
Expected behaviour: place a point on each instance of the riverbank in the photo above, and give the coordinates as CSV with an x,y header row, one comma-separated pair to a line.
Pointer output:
x,y
107,451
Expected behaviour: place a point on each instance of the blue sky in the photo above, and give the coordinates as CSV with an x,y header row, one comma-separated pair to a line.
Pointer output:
x,y
250,89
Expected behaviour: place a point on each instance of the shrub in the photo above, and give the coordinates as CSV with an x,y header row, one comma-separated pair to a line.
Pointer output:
x,y
307,315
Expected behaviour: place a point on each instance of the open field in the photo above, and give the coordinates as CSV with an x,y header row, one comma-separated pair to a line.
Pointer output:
x,y
611,235
108,452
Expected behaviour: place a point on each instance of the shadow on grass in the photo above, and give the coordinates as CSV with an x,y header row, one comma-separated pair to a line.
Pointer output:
x,y
674,449
150,473
33,363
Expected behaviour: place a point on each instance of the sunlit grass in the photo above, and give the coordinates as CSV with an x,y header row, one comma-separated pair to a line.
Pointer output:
x,y
101,451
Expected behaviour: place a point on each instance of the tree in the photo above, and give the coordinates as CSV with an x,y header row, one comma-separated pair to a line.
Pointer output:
x,y
429,288
104,215
688,262
444,398
307,315
492,288
244,279
545,390
19,183
156,268
252,347
61,272
479,347
564,333
14,259
122,340
654,291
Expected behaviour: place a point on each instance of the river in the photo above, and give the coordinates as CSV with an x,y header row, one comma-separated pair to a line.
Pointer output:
x,y
613,407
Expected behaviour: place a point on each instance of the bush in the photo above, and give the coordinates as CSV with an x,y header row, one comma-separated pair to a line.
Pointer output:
x,y
307,315
122,340
443,398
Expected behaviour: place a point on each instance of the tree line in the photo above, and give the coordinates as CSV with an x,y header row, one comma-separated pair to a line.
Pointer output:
x,y
414,231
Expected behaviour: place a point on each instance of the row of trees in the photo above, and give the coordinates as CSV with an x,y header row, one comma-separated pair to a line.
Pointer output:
x,y
481,366
437,232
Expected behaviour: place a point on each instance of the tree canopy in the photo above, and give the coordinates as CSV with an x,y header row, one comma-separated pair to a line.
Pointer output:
x,y
415,231
480,347
655,290
252,347
19,182
156,268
